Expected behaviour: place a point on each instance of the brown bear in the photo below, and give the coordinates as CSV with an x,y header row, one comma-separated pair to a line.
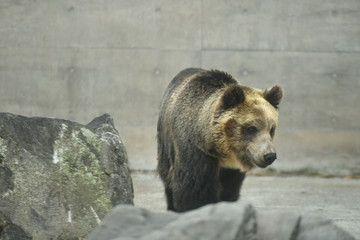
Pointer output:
x,y
210,131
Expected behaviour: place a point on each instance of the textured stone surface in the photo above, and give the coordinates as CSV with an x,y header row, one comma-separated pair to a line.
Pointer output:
x,y
281,25
284,226
211,222
59,178
230,221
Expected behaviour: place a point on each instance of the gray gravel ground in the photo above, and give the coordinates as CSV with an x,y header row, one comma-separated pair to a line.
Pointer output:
x,y
337,199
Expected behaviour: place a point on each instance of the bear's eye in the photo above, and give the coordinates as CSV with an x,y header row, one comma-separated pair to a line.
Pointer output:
x,y
251,130
272,132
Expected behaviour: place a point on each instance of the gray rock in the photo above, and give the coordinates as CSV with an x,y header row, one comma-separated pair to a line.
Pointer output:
x,y
277,225
209,222
59,178
313,229
228,221
11,231
285,225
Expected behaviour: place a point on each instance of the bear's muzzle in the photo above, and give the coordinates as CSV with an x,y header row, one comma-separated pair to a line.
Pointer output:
x,y
269,158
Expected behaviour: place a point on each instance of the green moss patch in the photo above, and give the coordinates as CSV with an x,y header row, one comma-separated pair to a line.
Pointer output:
x,y
81,178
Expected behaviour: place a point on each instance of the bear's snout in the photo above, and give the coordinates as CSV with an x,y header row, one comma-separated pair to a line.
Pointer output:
x,y
269,158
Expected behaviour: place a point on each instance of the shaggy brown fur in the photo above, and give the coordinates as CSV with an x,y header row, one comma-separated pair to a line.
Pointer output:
x,y
211,130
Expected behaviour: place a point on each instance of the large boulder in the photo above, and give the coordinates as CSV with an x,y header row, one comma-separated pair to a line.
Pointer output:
x,y
230,221
59,178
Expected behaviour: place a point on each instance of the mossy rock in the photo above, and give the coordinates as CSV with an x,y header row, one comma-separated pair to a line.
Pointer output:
x,y
60,178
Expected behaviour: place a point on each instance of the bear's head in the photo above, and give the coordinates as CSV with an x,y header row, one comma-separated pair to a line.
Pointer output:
x,y
246,119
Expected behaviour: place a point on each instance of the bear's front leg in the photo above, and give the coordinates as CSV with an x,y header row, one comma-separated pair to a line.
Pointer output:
x,y
191,197
196,185
231,181
169,199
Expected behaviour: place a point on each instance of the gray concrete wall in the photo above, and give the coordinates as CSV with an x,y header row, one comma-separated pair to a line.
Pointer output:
x,y
79,59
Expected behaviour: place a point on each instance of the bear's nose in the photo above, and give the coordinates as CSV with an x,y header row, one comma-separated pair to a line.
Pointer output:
x,y
269,158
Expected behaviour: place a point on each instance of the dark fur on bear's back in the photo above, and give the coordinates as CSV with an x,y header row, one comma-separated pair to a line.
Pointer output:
x,y
188,167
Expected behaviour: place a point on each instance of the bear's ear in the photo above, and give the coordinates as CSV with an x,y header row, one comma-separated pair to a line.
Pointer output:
x,y
274,95
231,97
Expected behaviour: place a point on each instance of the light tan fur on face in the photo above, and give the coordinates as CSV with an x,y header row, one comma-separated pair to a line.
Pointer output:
x,y
244,152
